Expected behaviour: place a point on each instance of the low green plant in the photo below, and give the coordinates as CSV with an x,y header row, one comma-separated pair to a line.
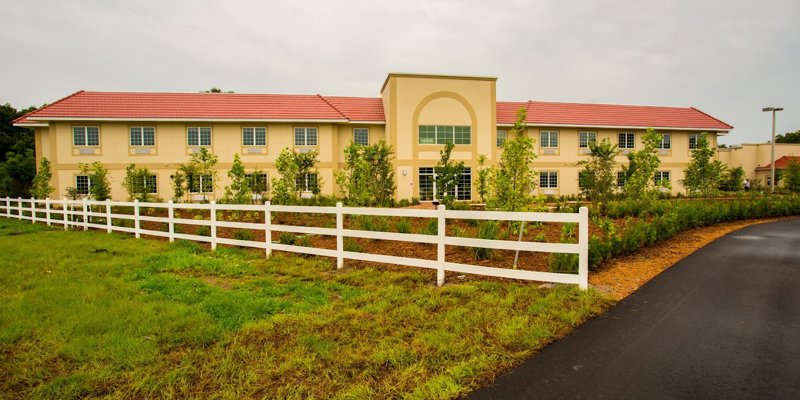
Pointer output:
x,y
403,203
431,228
203,230
352,245
241,234
486,230
286,238
402,225
415,201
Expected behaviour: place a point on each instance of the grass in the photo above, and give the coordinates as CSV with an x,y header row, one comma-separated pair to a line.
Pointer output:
x,y
88,315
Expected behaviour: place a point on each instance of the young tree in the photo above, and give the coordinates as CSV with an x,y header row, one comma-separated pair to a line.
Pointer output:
x,y
178,185
258,184
42,188
791,176
17,172
732,180
298,173
136,183
596,181
483,178
642,166
201,177
99,182
238,192
703,174
448,173
367,178
514,178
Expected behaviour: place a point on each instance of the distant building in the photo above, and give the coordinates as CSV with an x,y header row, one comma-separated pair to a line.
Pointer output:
x,y
416,114
755,159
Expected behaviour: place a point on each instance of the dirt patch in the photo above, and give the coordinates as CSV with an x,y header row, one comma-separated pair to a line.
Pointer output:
x,y
621,276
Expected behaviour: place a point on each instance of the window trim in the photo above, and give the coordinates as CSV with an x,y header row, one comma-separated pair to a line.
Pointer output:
x,y
86,136
199,143
141,136
367,136
254,136
549,133
587,133
305,136
436,135
627,134
550,174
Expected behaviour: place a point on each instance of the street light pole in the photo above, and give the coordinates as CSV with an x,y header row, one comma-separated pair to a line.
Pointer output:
x,y
772,160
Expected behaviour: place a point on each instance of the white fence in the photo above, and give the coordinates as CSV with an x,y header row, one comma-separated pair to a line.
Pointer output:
x,y
80,214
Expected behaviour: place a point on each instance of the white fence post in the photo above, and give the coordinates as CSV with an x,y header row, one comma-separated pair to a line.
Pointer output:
x,y
171,221
267,229
136,224
33,210
85,216
213,229
108,215
6,214
47,212
19,208
65,215
440,248
339,236
583,239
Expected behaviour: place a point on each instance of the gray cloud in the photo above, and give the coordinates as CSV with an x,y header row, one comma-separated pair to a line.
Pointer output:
x,y
728,58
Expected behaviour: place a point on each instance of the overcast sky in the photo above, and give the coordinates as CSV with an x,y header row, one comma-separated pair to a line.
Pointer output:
x,y
728,58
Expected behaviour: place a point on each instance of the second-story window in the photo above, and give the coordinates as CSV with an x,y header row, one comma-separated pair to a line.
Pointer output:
x,y
85,136
198,136
548,139
666,141
305,136
361,136
693,141
442,134
585,138
626,140
143,136
254,136
501,138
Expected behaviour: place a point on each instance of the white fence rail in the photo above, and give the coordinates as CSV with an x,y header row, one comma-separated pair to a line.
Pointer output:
x,y
85,214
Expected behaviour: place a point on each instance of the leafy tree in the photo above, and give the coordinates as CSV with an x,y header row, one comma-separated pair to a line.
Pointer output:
x,y
788,137
199,168
17,172
483,178
178,185
448,173
791,176
238,192
292,168
703,173
642,167
41,188
514,179
135,183
216,90
99,183
596,180
732,180
14,139
258,184
368,177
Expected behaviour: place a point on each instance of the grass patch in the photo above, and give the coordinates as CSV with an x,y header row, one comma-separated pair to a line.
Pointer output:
x,y
87,314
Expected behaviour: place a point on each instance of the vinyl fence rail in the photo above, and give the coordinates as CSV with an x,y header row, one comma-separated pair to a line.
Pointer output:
x,y
85,214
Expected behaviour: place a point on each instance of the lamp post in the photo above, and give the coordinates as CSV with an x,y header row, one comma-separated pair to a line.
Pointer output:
x,y
772,161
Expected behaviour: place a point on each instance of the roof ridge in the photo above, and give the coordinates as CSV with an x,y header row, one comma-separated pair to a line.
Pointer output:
x,y
714,118
333,106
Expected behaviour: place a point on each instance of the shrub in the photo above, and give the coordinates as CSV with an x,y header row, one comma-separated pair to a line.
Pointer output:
x,y
352,245
486,230
203,231
404,203
402,225
432,228
286,238
303,241
241,234
415,201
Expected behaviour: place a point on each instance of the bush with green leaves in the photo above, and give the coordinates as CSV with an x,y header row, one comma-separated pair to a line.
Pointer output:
x,y
238,191
99,181
513,180
597,179
42,187
295,170
448,174
791,176
241,234
732,180
488,230
367,178
642,167
703,174
198,175
136,183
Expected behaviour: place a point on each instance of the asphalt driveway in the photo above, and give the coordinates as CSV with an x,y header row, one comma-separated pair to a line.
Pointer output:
x,y
724,323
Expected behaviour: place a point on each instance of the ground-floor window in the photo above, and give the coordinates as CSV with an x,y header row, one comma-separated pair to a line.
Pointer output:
x,y
548,179
151,184
661,176
621,178
257,182
82,184
462,190
308,182
200,183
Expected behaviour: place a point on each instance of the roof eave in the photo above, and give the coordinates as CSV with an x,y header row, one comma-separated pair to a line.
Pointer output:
x,y
537,124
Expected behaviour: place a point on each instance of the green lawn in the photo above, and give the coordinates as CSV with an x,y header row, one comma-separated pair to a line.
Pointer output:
x,y
86,314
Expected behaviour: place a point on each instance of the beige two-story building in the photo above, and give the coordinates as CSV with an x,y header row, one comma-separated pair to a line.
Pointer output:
x,y
416,114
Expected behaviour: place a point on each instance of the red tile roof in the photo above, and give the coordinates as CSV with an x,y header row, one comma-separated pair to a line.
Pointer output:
x,y
780,163
284,107
601,115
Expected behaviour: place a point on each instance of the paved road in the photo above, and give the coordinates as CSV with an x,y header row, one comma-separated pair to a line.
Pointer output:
x,y
724,323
